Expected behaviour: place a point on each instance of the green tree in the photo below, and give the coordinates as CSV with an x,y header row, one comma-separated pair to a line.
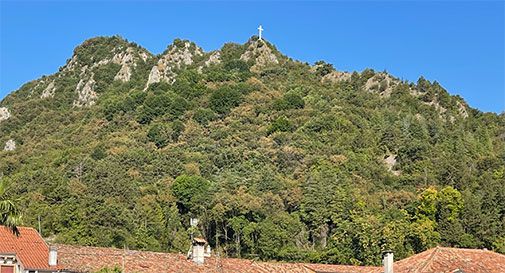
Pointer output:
x,y
9,214
224,99
192,193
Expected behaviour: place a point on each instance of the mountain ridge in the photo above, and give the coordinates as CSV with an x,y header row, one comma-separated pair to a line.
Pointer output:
x,y
87,95
279,159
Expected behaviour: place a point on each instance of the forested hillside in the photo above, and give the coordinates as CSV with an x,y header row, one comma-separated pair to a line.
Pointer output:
x,y
280,160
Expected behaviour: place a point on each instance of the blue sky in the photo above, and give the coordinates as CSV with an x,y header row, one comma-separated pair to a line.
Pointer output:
x,y
459,44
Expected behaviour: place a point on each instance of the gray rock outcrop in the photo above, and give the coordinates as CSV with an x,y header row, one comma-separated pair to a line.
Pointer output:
x,y
4,114
261,53
381,83
127,62
128,57
336,76
390,161
175,58
86,95
214,58
10,145
49,91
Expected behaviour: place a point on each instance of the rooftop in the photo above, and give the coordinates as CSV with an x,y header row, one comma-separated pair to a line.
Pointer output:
x,y
29,247
33,253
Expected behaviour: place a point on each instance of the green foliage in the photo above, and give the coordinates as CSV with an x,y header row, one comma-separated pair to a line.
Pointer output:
x,y
204,116
281,124
9,213
159,134
289,101
99,152
189,85
323,68
224,99
301,171
192,192
161,104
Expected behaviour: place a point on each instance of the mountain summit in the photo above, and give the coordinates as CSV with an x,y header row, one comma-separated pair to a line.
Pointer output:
x,y
279,159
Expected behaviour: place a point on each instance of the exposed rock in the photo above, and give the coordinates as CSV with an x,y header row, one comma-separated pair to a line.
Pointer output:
x,y
144,56
127,61
4,114
390,162
462,109
214,58
123,74
86,95
127,57
48,91
381,83
175,58
260,52
336,76
437,106
71,65
10,145
154,76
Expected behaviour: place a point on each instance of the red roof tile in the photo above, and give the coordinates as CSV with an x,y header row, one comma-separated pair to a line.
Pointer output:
x,y
440,260
335,268
33,253
445,260
30,249
89,259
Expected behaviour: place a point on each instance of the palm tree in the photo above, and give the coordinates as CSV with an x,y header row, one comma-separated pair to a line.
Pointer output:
x,y
9,214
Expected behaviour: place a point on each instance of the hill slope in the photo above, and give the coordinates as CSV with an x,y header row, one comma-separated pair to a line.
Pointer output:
x,y
278,159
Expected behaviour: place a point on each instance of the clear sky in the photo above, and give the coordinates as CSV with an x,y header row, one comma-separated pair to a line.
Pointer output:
x,y
459,44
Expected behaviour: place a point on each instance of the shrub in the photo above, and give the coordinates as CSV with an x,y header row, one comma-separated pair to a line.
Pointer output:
x,y
204,116
224,99
289,101
281,124
159,134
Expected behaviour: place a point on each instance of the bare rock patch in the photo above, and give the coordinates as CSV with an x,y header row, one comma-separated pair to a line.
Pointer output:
x,y
4,114
10,145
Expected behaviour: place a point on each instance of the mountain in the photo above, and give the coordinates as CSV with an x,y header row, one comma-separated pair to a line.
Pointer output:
x,y
279,159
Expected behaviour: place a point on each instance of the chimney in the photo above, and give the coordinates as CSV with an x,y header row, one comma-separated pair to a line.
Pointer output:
x,y
53,256
198,253
387,261
207,251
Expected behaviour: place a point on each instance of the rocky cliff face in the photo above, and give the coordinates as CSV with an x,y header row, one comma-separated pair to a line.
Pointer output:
x,y
381,83
4,113
85,90
90,58
125,62
260,53
178,55
10,145
336,76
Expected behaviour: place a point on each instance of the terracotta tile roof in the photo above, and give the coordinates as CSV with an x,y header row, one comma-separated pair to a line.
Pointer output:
x,y
30,249
439,259
33,253
90,259
445,260
268,267
334,268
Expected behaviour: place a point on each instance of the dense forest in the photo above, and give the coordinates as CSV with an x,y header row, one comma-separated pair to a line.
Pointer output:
x,y
279,159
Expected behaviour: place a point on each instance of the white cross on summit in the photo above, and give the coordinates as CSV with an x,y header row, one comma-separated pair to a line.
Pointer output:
x,y
260,30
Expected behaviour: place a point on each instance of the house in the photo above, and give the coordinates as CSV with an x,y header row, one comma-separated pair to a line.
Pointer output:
x,y
29,253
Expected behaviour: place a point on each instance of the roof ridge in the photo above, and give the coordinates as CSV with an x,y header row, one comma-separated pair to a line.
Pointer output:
x,y
429,260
